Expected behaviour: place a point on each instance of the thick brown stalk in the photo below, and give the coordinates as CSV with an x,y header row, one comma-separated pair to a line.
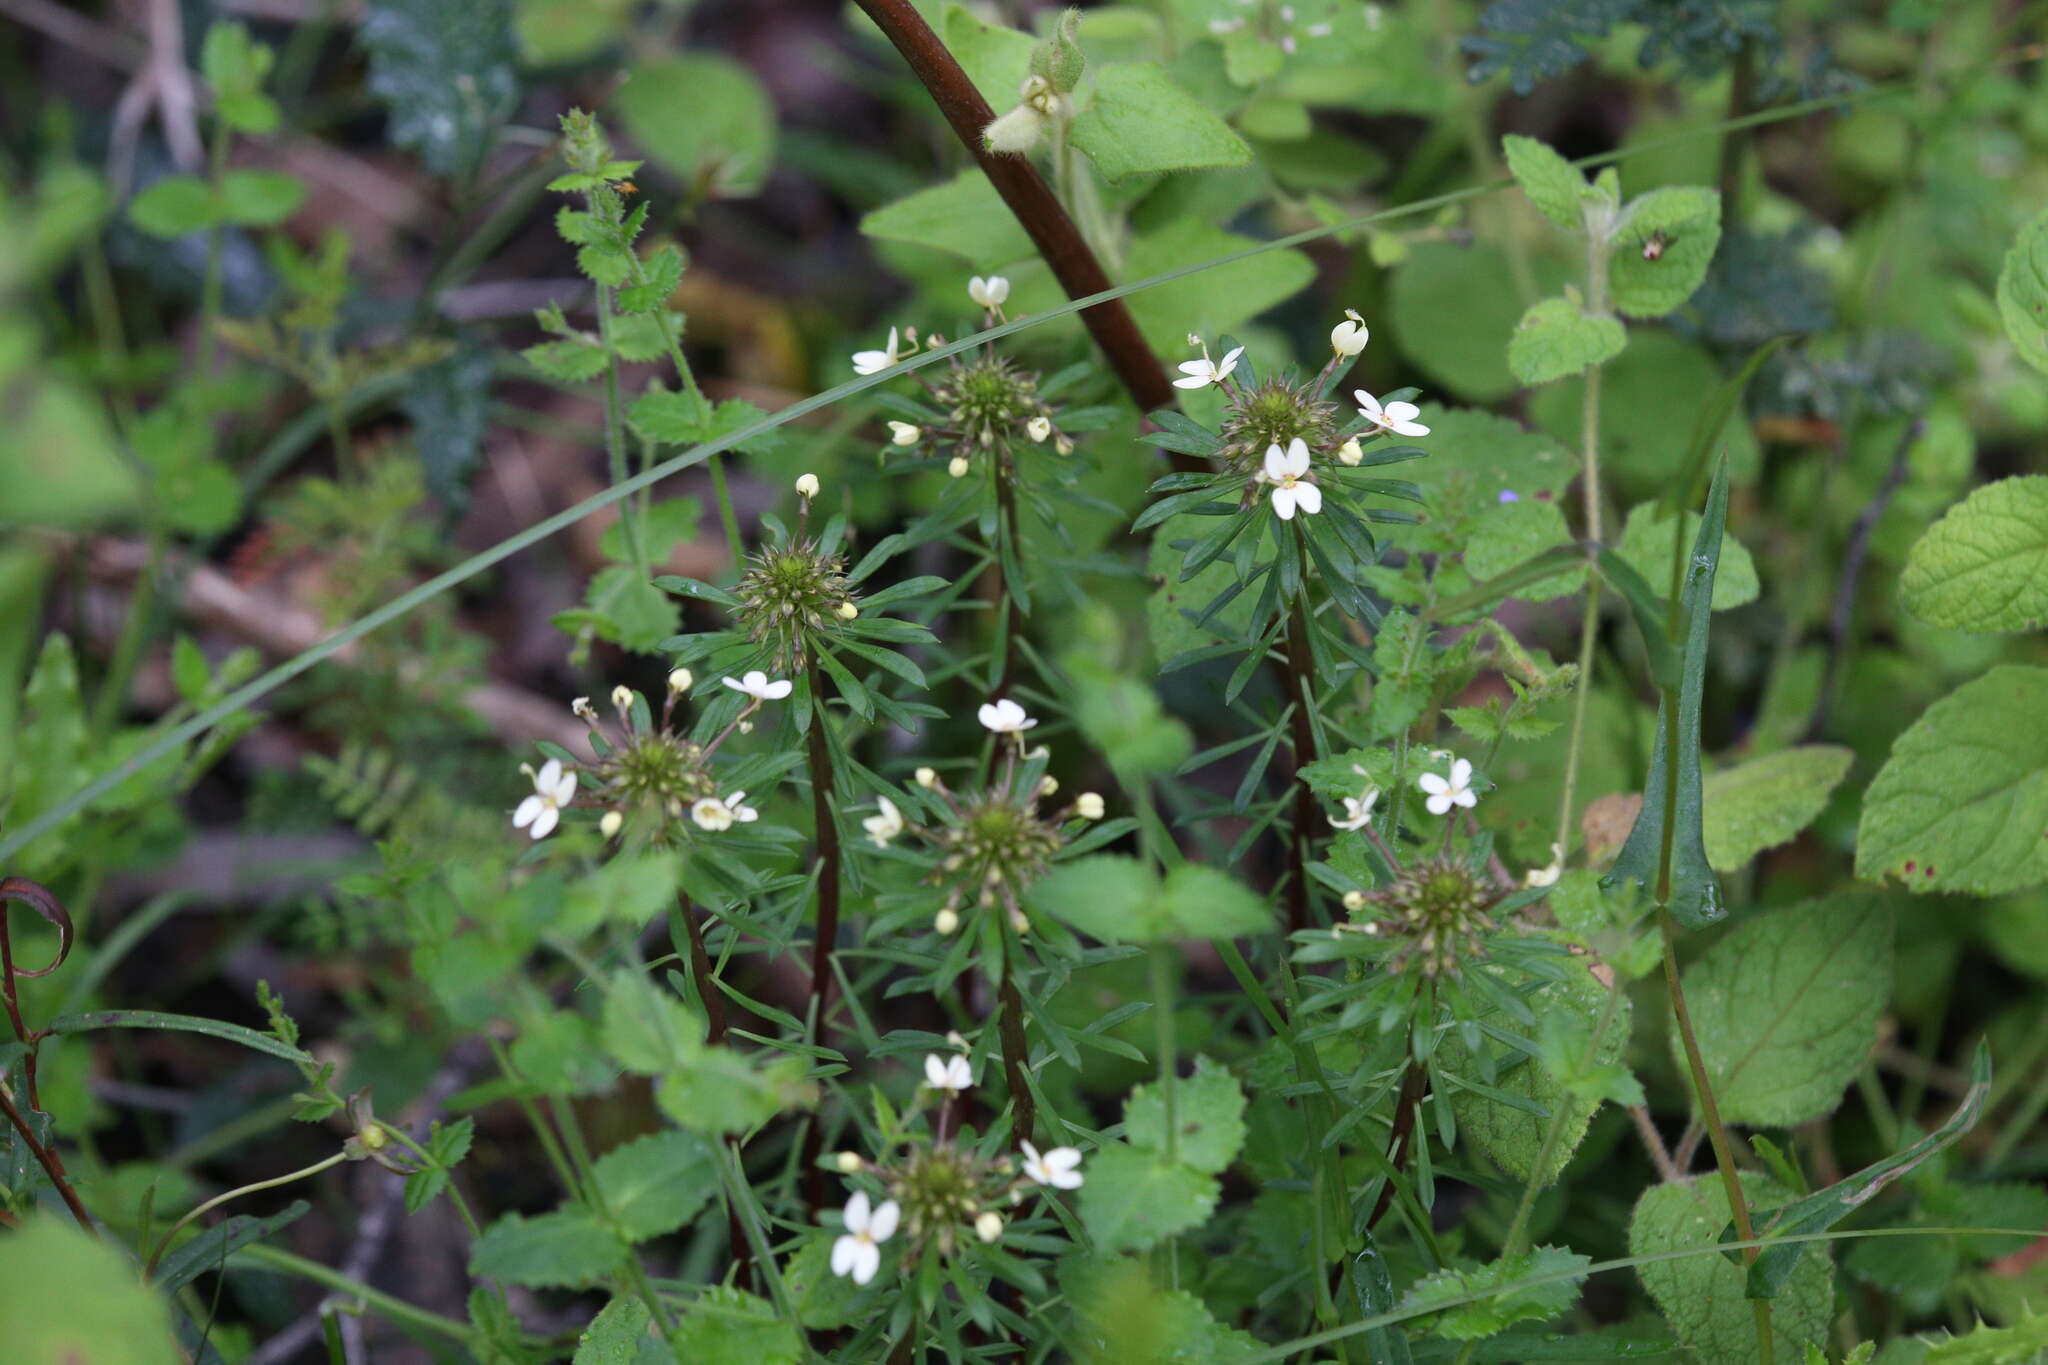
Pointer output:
x,y
1406,1106
1037,210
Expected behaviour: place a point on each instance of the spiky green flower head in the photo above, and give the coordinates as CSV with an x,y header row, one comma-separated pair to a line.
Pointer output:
x,y
1275,412
1435,915
997,847
648,775
942,1189
988,400
792,595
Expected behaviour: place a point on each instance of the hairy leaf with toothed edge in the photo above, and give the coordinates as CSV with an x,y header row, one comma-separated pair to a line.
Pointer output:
x,y
1673,789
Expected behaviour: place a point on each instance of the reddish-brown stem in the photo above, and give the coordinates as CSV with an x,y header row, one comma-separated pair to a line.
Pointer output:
x,y
827,836
700,971
1406,1106
40,899
1030,200
1016,1053
1300,669
47,1157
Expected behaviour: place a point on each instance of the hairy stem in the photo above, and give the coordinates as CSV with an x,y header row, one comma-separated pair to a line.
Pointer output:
x,y
1589,488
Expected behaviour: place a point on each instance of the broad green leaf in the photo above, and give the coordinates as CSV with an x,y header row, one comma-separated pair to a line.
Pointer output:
x,y
60,464
1962,803
1197,901
1553,184
1823,1209
448,72
1509,533
69,1299
1646,543
1119,900
719,1090
705,119
1671,795
1453,312
665,525
1766,801
448,1144
963,215
1208,1117
1141,122
1556,338
1663,248
1984,565
563,1249
1702,1296
1786,1006
630,891
1513,1303
727,1326
2016,929
656,1184
2023,293
1512,1138
1212,301
625,608
995,58
1134,1198
619,1336
1124,718
260,198
176,206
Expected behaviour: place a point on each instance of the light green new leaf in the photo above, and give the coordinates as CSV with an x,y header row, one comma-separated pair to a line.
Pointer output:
x,y
1646,544
1672,790
1766,801
727,1326
656,1184
1514,1303
1140,122
705,119
1553,184
1962,803
1702,1296
1556,338
1984,565
558,1250
1208,1114
68,1299
1786,1007
1663,248
1135,1198
2023,293
964,215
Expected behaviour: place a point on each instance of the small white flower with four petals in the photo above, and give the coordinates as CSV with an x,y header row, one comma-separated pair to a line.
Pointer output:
x,y
989,293
553,789
950,1074
1287,471
1005,717
1059,1168
858,1252
874,362
717,816
1397,417
1204,372
1445,792
757,685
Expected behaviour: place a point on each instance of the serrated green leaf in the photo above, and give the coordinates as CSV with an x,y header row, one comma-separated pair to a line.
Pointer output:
x,y
705,119
1646,543
1512,1302
1663,248
619,1335
1702,1296
1509,533
1140,122
1208,1115
558,1250
1671,795
627,609
448,72
964,216
1766,801
1556,338
1786,1007
727,1326
1984,565
655,1184
1553,184
1135,1199
2023,293
1962,803
661,273
719,1090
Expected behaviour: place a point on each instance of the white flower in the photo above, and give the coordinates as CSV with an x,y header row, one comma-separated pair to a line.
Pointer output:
x,y
807,485
988,1226
1349,453
757,685
886,826
1005,717
1038,428
1287,473
990,292
873,362
957,466
581,707
1396,417
553,789
1204,372
716,815
1088,806
611,824
1058,1168
1357,810
1348,337
1455,790
947,1073
858,1252
680,680
903,434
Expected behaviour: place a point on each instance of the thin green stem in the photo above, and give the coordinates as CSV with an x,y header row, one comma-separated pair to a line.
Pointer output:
x,y
397,1310
1589,487
164,1244
615,432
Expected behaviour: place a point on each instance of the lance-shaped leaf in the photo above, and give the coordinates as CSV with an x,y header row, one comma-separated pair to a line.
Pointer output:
x,y
1821,1210
1666,852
